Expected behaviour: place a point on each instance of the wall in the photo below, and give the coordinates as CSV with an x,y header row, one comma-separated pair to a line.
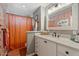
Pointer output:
x,y
1,16
40,11
42,18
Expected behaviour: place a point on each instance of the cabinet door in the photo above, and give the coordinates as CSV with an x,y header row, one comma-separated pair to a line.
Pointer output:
x,y
45,47
66,51
48,48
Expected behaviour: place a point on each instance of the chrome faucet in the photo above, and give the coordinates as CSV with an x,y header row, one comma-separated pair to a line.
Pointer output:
x,y
55,34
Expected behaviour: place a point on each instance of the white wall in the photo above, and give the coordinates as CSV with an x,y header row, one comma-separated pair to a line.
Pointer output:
x,y
2,20
37,12
41,17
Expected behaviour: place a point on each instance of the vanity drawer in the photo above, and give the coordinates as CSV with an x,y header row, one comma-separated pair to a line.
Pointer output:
x,y
66,51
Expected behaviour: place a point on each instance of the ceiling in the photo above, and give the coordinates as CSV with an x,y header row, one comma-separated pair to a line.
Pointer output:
x,y
24,9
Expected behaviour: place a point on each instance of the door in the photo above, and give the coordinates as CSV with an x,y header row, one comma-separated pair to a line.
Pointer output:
x,y
66,51
17,26
45,47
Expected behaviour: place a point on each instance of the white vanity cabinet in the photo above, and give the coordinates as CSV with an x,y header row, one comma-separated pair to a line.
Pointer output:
x,y
51,47
44,47
66,51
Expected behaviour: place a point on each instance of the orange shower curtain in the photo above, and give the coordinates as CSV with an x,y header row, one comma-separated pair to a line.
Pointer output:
x,y
17,27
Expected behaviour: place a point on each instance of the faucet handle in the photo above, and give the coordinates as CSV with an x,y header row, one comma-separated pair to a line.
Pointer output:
x,y
54,34
58,35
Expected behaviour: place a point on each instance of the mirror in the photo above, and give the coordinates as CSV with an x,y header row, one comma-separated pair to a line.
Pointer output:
x,y
59,15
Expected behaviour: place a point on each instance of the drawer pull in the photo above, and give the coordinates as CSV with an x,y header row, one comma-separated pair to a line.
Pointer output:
x,y
45,41
67,52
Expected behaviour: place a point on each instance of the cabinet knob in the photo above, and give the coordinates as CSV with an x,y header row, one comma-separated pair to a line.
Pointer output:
x,y
45,41
67,52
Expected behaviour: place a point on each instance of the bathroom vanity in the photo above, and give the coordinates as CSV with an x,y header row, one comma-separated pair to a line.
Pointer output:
x,y
46,45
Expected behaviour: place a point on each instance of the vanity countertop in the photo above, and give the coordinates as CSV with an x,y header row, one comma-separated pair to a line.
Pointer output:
x,y
61,40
